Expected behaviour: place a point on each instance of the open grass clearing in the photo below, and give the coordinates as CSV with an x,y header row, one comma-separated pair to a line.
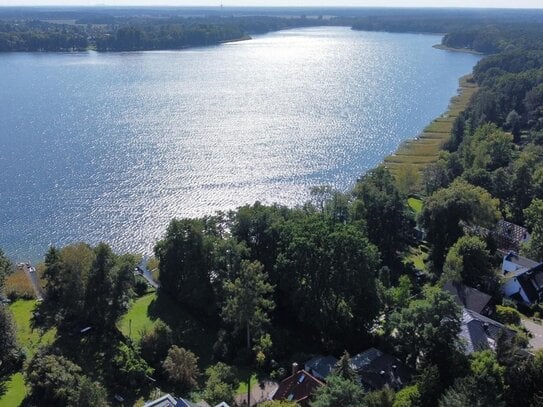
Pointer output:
x,y
415,204
13,391
29,337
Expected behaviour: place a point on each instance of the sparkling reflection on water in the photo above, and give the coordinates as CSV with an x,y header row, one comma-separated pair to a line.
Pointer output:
x,y
112,146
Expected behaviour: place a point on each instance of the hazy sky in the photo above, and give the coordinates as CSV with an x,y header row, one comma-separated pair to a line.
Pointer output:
x,y
336,3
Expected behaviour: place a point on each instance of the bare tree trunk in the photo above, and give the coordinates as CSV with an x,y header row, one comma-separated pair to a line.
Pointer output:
x,y
248,338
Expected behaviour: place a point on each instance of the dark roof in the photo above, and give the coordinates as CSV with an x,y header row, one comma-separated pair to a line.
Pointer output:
x,y
377,369
509,236
323,365
468,297
479,332
298,387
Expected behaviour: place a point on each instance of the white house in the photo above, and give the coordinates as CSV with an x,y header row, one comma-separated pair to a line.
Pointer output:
x,y
523,278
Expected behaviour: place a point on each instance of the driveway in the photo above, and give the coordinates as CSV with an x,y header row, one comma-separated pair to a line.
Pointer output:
x,y
537,333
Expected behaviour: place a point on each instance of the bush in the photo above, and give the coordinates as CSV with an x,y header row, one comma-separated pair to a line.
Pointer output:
x,y
18,286
407,397
140,286
507,315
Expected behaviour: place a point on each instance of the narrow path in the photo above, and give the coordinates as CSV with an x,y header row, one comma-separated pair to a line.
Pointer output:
x,y
536,341
34,279
145,273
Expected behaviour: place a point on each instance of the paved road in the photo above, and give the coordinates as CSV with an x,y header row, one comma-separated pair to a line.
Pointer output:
x,y
537,331
142,269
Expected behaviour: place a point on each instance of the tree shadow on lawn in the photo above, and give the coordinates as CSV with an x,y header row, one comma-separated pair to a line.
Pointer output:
x,y
197,334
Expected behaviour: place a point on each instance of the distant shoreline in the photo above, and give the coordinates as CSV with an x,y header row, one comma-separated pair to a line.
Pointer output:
x,y
424,149
465,50
244,38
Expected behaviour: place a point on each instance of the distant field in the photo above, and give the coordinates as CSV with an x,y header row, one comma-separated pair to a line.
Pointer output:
x,y
425,149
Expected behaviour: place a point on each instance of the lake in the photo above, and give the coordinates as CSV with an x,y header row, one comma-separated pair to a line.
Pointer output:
x,y
111,146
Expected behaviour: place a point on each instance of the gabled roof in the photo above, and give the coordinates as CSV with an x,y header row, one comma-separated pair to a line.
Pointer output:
x,y
468,297
299,387
479,332
323,365
167,401
377,369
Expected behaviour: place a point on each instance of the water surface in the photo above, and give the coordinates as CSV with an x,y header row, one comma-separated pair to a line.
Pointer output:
x,y
112,146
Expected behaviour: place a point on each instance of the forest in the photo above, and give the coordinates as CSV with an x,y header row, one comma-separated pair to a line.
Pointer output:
x,y
253,290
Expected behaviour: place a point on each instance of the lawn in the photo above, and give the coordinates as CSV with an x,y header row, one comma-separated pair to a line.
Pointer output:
x,y
417,256
15,391
138,316
415,204
29,338
242,388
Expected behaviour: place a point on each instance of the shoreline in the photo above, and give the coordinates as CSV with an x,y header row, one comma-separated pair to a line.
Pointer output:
x,y
464,50
424,149
244,38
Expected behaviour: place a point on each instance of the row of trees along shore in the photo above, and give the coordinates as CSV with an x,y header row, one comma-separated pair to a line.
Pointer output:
x,y
266,285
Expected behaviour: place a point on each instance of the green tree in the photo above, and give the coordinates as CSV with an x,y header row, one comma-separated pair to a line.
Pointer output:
x,y
514,122
483,387
534,220
444,211
427,332
181,367
278,403
469,261
247,305
344,367
53,275
408,397
338,392
380,398
221,384
328,267
53,380
91,394
154,344
10,352
128,368
185,264
6,267
99,290
381,206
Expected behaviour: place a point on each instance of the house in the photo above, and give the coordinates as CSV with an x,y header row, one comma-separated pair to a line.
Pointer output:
x,y
298,387
170,401
523,278
509,236
320,366
478,332
377,369
470,298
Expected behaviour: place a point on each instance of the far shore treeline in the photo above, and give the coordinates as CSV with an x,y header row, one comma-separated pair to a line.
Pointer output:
x,y
119,29
253,290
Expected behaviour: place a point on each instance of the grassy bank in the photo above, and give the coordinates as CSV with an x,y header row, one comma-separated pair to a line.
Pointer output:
x,y
424,149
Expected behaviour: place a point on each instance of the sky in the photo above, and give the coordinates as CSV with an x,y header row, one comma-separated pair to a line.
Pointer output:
x,y
268,3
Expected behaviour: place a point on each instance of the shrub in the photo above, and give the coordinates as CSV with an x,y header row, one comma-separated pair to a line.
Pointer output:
x,y
507,315
18,286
